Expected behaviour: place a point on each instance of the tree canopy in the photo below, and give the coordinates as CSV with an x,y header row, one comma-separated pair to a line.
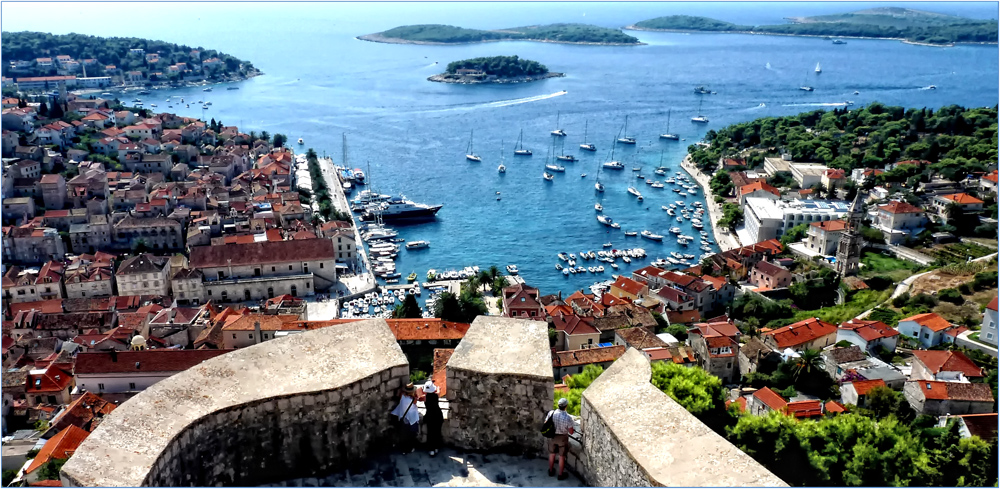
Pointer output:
x,y
691,23
501,66
574,33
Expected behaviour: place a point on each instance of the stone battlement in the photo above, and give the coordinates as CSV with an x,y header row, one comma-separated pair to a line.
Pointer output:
x,y
316,403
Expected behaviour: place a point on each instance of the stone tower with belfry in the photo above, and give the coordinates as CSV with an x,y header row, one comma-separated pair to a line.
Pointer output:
x,y
849,248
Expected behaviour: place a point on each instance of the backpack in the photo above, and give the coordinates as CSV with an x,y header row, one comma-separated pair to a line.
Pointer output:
x,y
549,427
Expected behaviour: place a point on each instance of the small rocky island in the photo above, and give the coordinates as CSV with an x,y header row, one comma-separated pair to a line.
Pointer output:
x,y
494,69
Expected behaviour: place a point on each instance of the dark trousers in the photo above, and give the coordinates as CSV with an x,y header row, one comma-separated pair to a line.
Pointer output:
x,y
434,440
408,436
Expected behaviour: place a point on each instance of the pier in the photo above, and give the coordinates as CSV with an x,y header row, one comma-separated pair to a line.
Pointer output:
x,y
363,281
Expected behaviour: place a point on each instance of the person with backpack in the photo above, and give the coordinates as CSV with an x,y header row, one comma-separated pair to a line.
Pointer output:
x,y
558,426
407,418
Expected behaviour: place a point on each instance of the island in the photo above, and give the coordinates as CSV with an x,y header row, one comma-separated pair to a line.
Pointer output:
x,y
447,34
82,61
908,25
494,69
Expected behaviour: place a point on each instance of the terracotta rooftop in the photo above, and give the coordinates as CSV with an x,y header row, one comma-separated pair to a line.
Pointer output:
x,y
159,360
263,252
587,356
938,361
755,186
801,332
930,321
869,330
897,207
427,329
955,391
805,409
59,447
771,399
828,226
963,199
628,285
863,386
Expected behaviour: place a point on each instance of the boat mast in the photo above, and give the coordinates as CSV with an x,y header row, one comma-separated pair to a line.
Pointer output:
x,y
668,124
625,135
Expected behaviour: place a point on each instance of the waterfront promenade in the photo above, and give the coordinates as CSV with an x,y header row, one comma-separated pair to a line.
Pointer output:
x,y
725,240
361,281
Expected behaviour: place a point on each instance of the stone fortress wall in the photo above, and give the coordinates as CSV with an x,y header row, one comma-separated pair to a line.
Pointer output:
x,y
317,402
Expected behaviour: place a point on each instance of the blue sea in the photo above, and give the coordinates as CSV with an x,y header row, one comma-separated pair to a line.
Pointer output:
x,y
320,82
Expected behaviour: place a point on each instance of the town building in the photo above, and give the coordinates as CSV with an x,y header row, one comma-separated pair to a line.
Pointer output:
x,y
573,362
856,392
626,288
769,219
966,202
522,301
115,372
717,348
823,237
575,332
809,334
144,274
768,276
938,398
944,365
758,189
807,175
988,333
59,447
899,220
868,335
929,329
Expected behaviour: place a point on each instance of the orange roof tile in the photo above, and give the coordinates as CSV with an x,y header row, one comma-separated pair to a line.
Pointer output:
x,y
963,199
897,207
956,391
930,321
755,186
947,361
628,285
869,330
805,409
863,386
834,407
588,356
771,399
834,225
427,329
59,447
801,332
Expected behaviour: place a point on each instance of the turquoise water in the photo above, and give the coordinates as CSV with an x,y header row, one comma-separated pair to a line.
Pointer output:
x,y
320,83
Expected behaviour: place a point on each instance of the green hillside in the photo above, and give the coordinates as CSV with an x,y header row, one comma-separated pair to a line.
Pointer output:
x,y
690,23
572,33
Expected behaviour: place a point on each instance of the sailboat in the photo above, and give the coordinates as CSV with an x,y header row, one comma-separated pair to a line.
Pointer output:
x,y
668,134
818,69
587,146
564,156
520,151
700,118
805,88
546,175
501,168
557,131
470,154
625,139
598,186
612,164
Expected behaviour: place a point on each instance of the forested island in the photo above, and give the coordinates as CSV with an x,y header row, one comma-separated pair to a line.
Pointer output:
x,y
28,54
878,23
447,34
494,69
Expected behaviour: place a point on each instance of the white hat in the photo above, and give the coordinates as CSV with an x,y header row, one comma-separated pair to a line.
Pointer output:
x,y
429,387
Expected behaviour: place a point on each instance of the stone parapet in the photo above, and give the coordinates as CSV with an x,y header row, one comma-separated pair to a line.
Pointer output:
x,y
305,404
500,386
638,436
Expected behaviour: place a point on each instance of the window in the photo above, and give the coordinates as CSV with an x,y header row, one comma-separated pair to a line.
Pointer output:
x,y
250,335
321,264
579,370
234,336
590,341
225,295
272,269
294,291
289,267
989,336
131,386
222,275
270,291
246,294
256,272
927,335
52,399
100,387
729,365
305,268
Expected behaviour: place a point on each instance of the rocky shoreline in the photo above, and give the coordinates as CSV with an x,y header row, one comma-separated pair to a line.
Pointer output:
x,y
475,80
378,37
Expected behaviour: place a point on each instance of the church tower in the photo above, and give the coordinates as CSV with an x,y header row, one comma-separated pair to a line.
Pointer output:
x,y
849,248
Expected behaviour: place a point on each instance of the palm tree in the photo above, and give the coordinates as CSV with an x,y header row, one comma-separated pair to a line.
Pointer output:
x,y
809,362
494,272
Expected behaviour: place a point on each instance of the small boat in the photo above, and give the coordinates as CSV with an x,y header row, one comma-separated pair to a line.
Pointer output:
x,y
585,145
599,187
583,175
415,245
566,157
566,272
631,233
701,119
839,41
152,105
857,92
598,207
547,176
520,151
470,154
615,225
675,230
232,88
608,245
512,269
614,165
558,132
931,87
700,90
301,141
411,277
652,236
657,184
633,191
559,267
668,134
187,106
600,269
818,69
625,139
556,168
614,265
636,168
209,89
501,168
204,106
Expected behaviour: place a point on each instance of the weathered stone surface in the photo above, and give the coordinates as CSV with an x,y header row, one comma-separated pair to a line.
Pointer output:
x,y
218,422
638,436
498,345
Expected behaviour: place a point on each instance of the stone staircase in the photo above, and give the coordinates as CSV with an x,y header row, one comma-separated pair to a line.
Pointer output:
x,y
449,468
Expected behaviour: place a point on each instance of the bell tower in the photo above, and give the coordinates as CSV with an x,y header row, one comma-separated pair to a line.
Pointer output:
x,y
849,248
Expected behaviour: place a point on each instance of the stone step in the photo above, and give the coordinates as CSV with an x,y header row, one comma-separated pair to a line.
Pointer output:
x,y
403,471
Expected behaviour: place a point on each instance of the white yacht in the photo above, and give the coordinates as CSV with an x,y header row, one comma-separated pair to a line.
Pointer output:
x,y
625,139
633,191
614,165
416,245
651,236
547,176
669,135
598,207
558,132
556,168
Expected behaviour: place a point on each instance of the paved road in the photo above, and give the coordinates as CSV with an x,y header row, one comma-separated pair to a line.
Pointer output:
x,y
723,238
362,280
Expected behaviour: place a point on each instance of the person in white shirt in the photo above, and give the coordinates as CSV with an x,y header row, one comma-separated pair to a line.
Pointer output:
x,y
408,418
560,443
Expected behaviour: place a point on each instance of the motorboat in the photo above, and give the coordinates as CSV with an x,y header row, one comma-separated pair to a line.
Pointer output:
x,y
598,207
806,88
701,90
652,236
675,230
656,184
566,272
512,269
615,225
614,165
633,191
605,220
547,176
555,168
839,41
599,187
399,208
636,168
631,233
411,277
558,266
562,256
607,245
416,245
501,168
207,89
660,171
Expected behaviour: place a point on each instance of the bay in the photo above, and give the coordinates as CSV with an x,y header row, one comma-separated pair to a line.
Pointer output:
x,y
320,82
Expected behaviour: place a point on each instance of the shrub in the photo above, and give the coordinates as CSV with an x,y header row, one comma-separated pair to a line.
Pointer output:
x,y
951,295
790,392
922,300
901,299
965,289
879,282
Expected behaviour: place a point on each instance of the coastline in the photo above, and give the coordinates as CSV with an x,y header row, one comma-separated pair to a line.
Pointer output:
x,y
378,37
123,89
466,80
633,27
723,239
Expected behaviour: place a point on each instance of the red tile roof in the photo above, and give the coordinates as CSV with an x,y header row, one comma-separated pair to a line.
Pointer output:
x,y
963,199
263,252
930,321
427,329
755,186
573,324
834,407
835,173
770,269
683,317
938,361
955,391
897,207
53,380
834,225
869,330
863,386
439,375
771,399
59,447
805,409
801,332
587,356
159,360
993,304
628,285
85,412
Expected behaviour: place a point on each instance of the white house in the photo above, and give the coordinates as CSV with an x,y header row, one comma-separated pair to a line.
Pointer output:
x,y
930,329
989,331
897,220
868,335
134,371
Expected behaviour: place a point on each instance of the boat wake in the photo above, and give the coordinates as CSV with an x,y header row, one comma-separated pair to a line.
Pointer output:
x,y
758,107
536,98
830,104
